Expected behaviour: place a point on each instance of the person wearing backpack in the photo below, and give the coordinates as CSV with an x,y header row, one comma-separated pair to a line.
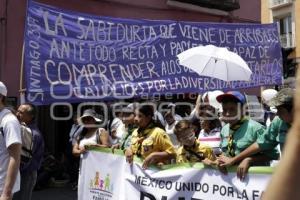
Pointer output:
x,y
10,149
26,114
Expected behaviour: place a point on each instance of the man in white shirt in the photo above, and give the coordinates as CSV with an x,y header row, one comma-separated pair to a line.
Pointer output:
x,y
10,149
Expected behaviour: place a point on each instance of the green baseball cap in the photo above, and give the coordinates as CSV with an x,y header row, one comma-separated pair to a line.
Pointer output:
x,y
283,97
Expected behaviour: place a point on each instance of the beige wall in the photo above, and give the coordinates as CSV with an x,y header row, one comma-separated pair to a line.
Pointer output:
x,y
265,12
266,17
297,28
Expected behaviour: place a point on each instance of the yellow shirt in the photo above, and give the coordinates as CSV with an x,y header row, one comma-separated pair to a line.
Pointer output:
x,y
151,140
187,154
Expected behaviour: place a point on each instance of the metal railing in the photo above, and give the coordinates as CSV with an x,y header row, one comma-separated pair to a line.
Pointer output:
x,y
287,40
274,3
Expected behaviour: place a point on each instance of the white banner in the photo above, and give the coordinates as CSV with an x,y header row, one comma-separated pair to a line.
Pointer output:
x,y
107,176
100,176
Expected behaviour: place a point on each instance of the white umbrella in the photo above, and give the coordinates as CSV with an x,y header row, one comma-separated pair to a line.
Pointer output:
x,y
215,62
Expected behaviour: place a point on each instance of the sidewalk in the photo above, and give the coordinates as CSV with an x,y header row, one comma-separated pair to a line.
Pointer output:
x,y
62,193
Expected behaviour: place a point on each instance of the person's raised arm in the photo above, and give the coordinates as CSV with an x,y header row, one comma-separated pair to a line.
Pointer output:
x,y
104,138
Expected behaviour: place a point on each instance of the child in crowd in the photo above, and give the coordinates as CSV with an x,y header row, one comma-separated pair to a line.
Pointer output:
x,y
210,133
148,141
191,149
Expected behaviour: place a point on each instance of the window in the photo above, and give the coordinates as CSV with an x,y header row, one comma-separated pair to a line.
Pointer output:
x,y
285,24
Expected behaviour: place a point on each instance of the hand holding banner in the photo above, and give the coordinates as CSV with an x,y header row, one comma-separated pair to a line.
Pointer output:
x,y
107,176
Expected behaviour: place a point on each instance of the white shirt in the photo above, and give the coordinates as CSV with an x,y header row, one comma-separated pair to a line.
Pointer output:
x,y
92,140
11,134
170,132
119,127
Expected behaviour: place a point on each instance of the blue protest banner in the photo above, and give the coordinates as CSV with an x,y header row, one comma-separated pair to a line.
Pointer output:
x,y
74,57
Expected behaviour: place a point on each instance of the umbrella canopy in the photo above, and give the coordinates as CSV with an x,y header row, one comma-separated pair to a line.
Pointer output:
x,y
215,62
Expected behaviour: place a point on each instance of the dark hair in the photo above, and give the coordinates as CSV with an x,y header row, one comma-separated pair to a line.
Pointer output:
x,y
231,100
289,107
215,123
158,124
182,126
147,110
3,100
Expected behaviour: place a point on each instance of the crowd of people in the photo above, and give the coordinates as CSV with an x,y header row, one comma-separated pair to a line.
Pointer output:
x,y
18,173
227,135
218,135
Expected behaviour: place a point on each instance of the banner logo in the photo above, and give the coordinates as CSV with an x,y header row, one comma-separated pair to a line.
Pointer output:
x,y
101,186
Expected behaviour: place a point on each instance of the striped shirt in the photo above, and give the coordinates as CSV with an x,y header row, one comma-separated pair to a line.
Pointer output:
x,y
212,139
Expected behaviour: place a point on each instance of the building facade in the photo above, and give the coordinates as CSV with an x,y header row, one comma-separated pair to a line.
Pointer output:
x,y
286,14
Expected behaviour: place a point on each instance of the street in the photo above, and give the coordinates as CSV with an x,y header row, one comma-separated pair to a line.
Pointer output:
x,y
62,193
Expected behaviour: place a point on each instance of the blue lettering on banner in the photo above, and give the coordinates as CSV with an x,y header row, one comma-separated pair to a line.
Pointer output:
x,y
75,57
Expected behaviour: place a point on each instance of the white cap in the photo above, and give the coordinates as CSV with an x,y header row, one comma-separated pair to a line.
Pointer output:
x,y
268,94
3,89
211,98
89,113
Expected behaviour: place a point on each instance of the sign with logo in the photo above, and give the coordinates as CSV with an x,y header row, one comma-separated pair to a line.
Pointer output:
x,y
98,176
108,176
